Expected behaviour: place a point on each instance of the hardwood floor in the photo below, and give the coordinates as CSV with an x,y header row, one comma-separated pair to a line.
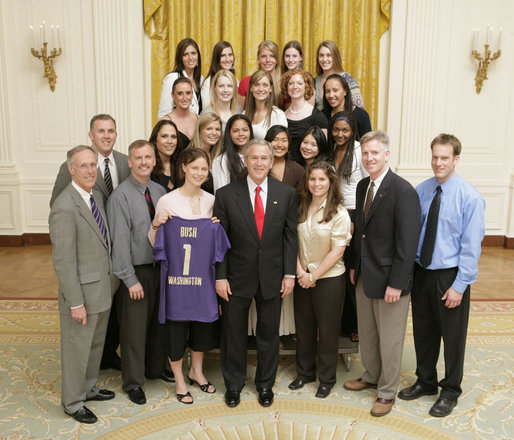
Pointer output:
x,y
27,272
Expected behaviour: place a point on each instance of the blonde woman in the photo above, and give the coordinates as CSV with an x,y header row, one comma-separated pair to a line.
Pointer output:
x,y
267,57
207,137
223,96
260,107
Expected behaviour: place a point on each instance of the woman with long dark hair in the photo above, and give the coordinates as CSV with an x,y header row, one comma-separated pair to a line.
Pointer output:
x,y
188,63
323,234
181,115
222,59
337,97
347,159
167,147
283,169
228,166
328,61
313,146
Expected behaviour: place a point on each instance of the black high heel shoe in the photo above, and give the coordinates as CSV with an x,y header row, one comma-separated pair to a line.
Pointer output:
x,y
204,387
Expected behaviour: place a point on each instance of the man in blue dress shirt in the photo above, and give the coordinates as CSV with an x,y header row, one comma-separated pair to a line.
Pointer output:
x,y
452,216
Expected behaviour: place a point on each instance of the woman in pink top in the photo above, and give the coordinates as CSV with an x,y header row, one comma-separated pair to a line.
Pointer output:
x,y
189,201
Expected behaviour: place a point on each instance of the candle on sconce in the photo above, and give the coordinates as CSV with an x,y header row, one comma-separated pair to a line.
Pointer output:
x,y
41,33
500,39
31,34
58,37
476,32
52,35
44,33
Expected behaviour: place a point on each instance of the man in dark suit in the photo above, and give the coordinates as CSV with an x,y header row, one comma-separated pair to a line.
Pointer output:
x,y
81,256
112,170
387,227
259,217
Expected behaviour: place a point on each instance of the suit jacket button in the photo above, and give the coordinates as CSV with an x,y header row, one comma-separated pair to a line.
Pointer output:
x,y
363,235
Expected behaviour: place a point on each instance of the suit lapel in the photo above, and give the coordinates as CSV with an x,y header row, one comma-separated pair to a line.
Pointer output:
x,y
381,194
245,205
101,186
86,213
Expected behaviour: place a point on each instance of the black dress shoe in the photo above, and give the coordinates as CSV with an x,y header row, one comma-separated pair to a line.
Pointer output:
x,y
265,396
166,376
442,407
298,383
137,395
232,398
103,395
323,391
83,415
415,391
113,363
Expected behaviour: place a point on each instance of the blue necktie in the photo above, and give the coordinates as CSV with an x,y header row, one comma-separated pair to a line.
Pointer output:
x,y
98,218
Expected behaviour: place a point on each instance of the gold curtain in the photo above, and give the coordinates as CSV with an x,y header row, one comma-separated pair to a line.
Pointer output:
x,y
354,25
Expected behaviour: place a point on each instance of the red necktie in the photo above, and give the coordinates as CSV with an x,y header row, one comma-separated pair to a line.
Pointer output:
x,y
259,211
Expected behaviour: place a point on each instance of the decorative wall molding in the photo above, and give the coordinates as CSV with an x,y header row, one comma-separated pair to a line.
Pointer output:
x,y
6,155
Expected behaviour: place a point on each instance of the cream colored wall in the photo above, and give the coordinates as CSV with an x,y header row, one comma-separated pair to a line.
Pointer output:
x,y
101,70
429,88
426,87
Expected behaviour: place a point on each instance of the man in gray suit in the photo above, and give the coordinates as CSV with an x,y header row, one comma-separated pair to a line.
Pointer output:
x,y
81,257
112,170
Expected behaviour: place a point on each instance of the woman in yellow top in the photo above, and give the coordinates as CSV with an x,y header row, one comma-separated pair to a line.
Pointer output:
x,y
323,234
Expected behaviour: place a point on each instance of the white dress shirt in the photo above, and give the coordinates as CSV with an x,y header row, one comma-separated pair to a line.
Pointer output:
x,y
252,186
112,169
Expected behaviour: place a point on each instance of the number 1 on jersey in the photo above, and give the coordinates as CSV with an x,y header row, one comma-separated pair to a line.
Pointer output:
x,y
187,259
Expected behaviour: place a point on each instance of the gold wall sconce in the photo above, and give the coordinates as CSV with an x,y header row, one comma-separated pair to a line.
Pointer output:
x,y
45,54
483,62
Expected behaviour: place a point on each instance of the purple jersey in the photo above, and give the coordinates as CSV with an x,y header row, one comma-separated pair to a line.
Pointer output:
x,y
188,251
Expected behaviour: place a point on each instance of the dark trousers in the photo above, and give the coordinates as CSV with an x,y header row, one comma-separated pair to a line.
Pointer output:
x,y
140,331
234,339
317,314
432,320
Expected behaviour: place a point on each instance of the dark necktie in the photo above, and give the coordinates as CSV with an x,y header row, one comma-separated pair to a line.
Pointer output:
x,y
259,211
427,249
107,176
98,218
369,200
149,203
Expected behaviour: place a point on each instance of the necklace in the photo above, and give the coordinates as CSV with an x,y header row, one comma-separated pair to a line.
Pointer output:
x,y
293,112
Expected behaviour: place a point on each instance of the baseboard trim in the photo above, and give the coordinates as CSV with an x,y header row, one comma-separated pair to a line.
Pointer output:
x,y
41,239
495,241
24,240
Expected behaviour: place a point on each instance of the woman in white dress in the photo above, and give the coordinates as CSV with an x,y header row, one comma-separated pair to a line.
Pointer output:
x,y
188,63
259,105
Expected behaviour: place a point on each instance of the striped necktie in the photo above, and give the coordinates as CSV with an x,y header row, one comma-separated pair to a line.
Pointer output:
x,y
98,218
149,203
107,176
